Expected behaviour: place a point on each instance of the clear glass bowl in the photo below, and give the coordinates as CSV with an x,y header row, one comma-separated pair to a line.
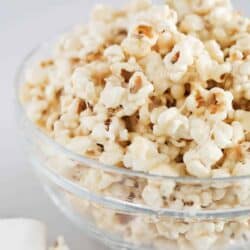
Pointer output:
x,y
106,202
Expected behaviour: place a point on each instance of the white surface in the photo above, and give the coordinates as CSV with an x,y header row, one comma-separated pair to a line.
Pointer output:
x,y
23,24
22,234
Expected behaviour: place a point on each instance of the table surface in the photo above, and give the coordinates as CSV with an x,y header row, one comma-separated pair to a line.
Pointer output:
x,y
23,24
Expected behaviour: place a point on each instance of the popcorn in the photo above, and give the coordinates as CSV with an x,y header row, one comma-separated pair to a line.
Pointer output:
x,y
216,103
182,56
114,54
142,155
155,71
81,144
215,51
60,245
243,117
139,91
192,23
238,133
200,160
152,196
83,86
35,109
145,32
112,96
99,132
160,17
112,155
138,5
242,169
206,242
195,167
160,89
117,130
199,130
172,123
209,153
90,44
223,134
36,75
136,47
178,92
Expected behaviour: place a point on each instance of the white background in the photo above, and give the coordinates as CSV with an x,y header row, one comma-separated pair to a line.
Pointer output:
x,y
23,24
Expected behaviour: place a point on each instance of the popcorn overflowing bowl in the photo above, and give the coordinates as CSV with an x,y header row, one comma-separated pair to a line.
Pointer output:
x,y
140,135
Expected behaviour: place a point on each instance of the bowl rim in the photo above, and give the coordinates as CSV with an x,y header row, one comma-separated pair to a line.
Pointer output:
x,y
85,160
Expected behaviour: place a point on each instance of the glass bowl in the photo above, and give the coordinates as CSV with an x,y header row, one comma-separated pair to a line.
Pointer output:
x,y
106,201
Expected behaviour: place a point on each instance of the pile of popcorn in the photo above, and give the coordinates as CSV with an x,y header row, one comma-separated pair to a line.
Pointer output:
x,y
162,89
59,245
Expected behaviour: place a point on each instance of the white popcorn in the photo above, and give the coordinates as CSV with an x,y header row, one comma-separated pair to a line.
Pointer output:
x,y
204,242
192,23
221,173
223,134
218,71
155,71
195,167
209,153
145,31
36,75
152,196
80,144
160,17
117,130
135,47
165,170
60,245
139,91
238,132
83,86
182,56
88,122
35,109
113,154
112,96
50,92
90,43
90,179
199,161
107,180
178,91
204,6
142,155
156,113
122,69
173,124
114,54
138,5
99,132
242,169
206,199
215,51
199,130
166,187
103,13
70,120
216,103
244,118
219,104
